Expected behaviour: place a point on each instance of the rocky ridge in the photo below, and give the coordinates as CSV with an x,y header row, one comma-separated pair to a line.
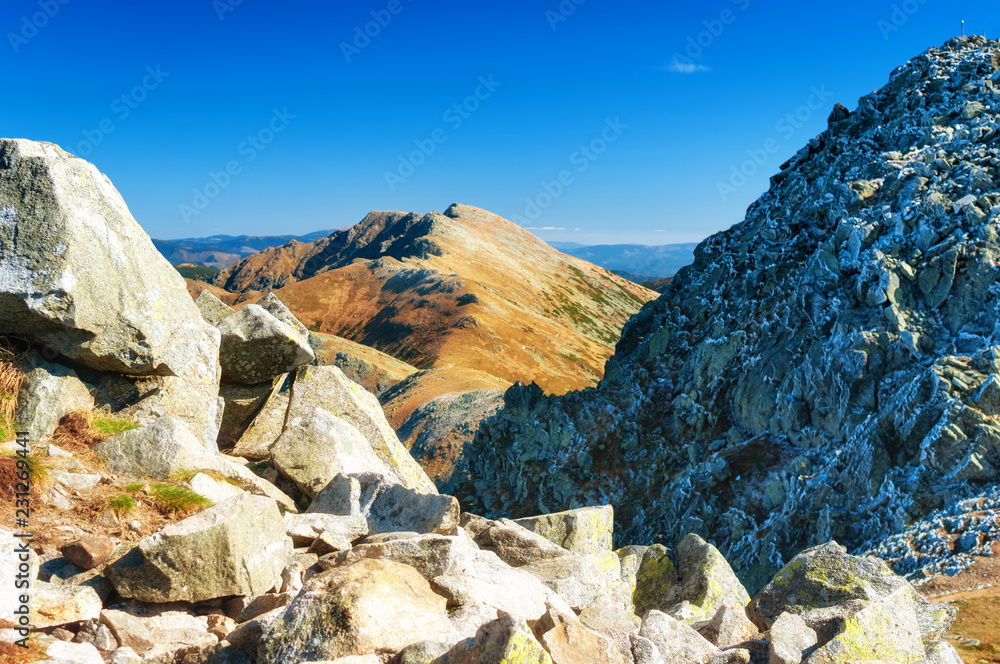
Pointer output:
x,y
826,369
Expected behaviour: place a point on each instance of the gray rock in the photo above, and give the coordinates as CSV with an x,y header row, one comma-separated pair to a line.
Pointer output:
x,y
319,446
53,605
341,496
424,652
49,393
256,441
304,528
213,489
941,652
391,507
507,639
676,641
569,641
272,305
80,275
821,577
645,651
329,389
585,530
466,621
65,652
790,640
730,626
580,580
372,606
653,579
96,634
130,631
238,547
124,655
212,309
431,555
513,543
74,483
242,404
706,583
256,346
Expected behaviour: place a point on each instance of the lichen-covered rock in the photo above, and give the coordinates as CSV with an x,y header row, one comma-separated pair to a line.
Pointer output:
x,y
260,434
815,373
676,641
584,530
318,447
370,607
49,392
507,640
513,543
580,580
728,627
237,547
272,305
53,605
823,576
79,274
329,389
706,583
654,578
256,346
886,629
212,309
941,652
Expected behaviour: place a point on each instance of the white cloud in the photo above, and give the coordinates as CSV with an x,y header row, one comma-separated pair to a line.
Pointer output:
x,y
577,229
544,228
685,68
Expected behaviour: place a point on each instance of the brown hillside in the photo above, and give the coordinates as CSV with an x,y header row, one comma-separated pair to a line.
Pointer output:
x,y
465,288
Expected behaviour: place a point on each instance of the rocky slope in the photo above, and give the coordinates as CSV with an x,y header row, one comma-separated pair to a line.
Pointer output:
x,y
334,546
828,368
465,288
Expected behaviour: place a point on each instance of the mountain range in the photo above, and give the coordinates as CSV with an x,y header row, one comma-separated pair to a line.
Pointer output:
x,y
221,251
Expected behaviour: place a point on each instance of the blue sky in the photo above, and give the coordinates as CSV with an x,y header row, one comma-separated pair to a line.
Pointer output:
x,y
600,122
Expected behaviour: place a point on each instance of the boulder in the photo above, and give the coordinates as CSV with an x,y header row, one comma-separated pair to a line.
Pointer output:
x,y
941,652
514,544
568,641
304,528
886,629
130,631
314,449
213,489
256,346
80,275
328,388
790,640
370,607
580,580
212,309
49,393
655,578
645,651
88,552
730,626
177,634
191,396
585,530
53,605
124,655
466,621
431,555
706,583
265,428
272,305
238,547
676,641
65,652
392,507
97,634
821,577
504,641
341,496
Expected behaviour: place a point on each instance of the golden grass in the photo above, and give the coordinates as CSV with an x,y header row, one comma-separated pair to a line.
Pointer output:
x,y
11,378
173,499
85,428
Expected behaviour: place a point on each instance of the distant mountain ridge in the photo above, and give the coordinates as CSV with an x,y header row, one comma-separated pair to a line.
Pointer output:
x,y
636,262
221,251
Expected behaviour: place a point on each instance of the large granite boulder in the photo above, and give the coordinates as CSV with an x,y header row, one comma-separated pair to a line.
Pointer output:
x,y
237,547
369,607
316,448
212,309
80,275
49,393
267,425
584,530
328,388
513,543
706,583
272,305
256,346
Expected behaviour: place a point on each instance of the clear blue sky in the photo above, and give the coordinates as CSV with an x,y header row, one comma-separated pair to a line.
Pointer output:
x,y
607,77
